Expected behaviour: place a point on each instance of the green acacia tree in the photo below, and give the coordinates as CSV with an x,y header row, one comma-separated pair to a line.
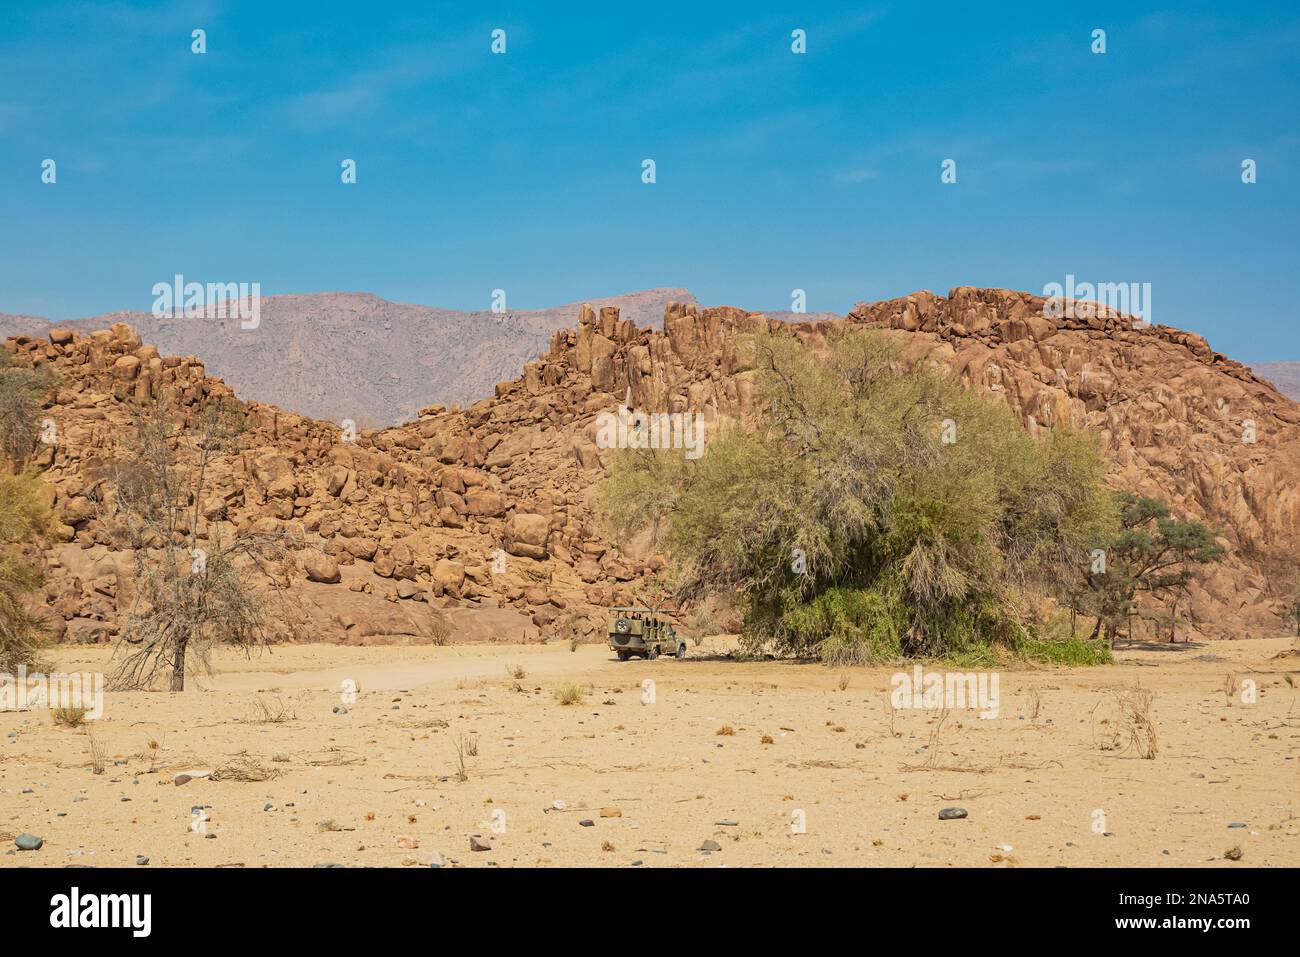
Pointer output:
x,y
1153,553
870,511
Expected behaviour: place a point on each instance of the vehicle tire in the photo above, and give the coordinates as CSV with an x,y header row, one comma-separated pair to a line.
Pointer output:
x,y
681,651
623,655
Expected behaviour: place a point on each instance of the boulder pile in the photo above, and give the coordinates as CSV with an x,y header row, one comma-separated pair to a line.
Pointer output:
x,y
485,518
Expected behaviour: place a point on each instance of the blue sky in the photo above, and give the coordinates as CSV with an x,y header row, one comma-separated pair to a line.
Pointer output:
x,y
775,171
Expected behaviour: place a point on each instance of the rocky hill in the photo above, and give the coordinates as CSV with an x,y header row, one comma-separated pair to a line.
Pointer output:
x,y
486,514
356,356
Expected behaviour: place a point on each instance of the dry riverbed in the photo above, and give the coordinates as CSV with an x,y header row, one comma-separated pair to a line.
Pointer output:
x,y
714,762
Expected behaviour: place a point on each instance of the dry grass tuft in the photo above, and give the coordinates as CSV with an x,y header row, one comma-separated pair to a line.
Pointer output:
x,y
570,694
267,712
244,768
464,748
1126,722
69,717
98,753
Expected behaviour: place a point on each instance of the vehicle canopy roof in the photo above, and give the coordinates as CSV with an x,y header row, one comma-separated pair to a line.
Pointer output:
x,y
632,608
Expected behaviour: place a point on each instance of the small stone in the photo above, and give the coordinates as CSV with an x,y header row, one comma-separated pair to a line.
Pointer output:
x,y
141,860
29,842
339,709
1236,824
181,779
728,822
587,822
710,846
477,844
1234,854
952,814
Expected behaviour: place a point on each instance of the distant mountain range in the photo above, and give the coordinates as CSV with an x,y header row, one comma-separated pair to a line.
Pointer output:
x,y
343,355
1284,375
356,356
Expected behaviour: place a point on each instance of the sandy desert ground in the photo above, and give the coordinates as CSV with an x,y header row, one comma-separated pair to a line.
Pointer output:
x,y
618,781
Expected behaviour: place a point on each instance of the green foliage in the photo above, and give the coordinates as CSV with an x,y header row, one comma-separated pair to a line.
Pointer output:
x,y
1076,652
846,525
25,521
1151,552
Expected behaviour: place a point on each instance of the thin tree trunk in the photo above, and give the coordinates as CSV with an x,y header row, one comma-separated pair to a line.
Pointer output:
x,y
178,668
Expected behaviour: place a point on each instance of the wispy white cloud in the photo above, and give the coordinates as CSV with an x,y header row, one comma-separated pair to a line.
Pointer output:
x,y
859,175
400,71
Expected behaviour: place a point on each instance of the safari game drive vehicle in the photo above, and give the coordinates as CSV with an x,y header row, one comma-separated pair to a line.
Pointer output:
x,y
641,631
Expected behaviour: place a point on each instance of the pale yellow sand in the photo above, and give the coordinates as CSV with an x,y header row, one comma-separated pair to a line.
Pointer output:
x,y
383,775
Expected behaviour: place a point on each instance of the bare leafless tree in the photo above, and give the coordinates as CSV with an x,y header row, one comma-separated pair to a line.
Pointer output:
x,y
23,392
194,589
